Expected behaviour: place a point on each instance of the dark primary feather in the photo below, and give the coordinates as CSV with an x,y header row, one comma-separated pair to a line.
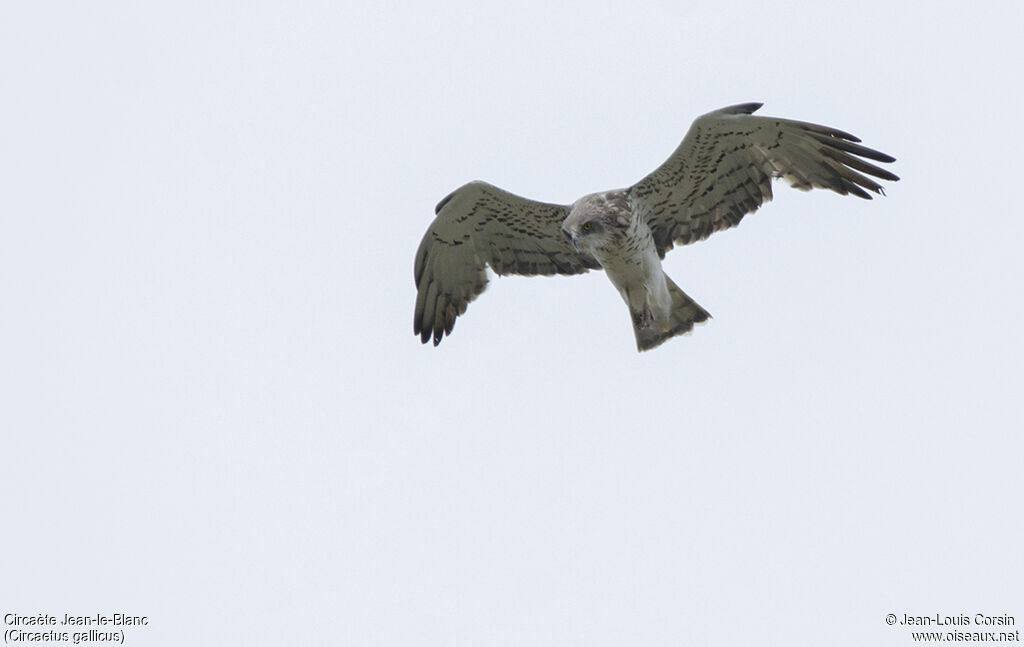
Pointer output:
x,y
724,166
481,225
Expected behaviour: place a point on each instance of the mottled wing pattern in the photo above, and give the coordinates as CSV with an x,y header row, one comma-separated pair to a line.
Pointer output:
x,y
481,225
724,166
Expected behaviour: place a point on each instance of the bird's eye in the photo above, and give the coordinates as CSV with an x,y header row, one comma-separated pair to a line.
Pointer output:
x,y
588,227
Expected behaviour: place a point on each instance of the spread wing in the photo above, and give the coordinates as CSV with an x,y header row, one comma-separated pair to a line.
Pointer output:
x,y
724,166
480,225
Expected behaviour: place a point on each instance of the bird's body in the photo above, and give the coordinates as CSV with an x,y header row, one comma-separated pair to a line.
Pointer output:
x,y
721,171
619,238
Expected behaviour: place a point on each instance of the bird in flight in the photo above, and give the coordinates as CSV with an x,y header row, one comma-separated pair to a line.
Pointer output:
x,y
722,170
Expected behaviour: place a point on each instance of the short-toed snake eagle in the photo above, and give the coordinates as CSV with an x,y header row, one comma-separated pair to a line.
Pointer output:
x,y
721,171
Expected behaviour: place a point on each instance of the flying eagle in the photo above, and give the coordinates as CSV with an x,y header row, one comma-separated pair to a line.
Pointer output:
x,y
721,171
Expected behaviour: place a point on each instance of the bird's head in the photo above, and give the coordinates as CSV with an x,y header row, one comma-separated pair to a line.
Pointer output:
x,y
597,221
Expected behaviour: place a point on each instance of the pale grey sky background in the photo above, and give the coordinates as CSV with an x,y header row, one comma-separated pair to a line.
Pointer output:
x,y
215,413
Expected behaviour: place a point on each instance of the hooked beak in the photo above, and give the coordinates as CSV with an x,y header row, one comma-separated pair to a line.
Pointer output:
x,y
573,239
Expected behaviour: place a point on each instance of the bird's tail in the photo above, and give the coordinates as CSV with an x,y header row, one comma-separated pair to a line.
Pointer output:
x,y
685,313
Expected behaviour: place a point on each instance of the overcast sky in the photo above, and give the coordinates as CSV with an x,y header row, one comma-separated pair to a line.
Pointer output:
x,y
215,414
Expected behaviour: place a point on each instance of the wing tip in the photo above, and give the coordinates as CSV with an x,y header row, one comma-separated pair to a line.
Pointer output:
x,y
742,108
